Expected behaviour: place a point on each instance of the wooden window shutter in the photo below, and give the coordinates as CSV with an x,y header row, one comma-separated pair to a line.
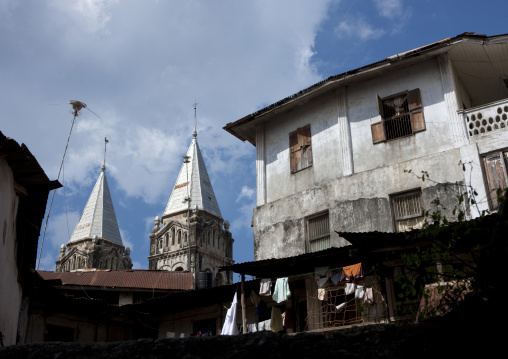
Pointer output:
x,y
416,111
305,143
378,132
495,177
294,151
380,107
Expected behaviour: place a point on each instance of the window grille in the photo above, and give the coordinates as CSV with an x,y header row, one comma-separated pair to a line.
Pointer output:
x,y
408,211
397,121
319,233
401,116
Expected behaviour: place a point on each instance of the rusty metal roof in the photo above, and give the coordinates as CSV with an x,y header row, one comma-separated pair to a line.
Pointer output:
x,y
132,279
27,171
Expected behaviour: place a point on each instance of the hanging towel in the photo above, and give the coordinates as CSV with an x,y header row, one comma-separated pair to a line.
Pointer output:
x,y
265,287
350,288
322,293
281,291
369,296
359,293
229,327
264,325
276,320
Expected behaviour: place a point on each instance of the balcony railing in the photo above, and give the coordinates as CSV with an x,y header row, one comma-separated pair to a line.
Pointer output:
x,y
486,118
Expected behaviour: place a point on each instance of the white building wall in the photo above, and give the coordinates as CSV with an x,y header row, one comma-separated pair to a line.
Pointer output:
x,y
10,289
326,116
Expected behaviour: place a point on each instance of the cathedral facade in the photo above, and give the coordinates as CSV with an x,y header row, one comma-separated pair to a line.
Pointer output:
x,y
192,235
96,241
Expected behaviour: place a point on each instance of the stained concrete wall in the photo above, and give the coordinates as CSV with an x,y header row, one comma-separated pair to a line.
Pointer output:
x,y
10,289
357,203
351,177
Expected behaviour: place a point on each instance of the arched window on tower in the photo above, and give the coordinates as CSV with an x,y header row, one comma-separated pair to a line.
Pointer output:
x,y
107,263
166,238
173,236
213,238
185,238
179,237
209,237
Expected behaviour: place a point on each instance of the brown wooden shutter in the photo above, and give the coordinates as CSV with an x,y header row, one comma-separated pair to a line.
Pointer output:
x,y
378,132
416,111
380,107
495,177
305,143
294,151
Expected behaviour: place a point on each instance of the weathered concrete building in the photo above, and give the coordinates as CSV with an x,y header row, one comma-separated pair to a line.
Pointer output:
x,y
96,240
24,189
192,235
336,156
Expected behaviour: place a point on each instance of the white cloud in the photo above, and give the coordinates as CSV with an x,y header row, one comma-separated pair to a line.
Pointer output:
x,y
60,228
138,265
246,192
126,239
391,9
358,28
90,15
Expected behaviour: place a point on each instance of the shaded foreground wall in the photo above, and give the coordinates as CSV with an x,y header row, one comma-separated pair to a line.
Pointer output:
x,y
453,336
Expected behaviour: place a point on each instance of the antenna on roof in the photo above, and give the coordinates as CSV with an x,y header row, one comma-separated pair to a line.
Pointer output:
x,y
104,163
76,106
195,105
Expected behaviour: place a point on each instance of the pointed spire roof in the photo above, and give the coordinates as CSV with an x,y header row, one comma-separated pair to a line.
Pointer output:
x,y
196,183
98,218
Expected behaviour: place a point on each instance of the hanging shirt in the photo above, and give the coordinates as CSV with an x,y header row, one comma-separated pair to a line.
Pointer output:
x,y
276,320
229,327
281,291
352,273
265,287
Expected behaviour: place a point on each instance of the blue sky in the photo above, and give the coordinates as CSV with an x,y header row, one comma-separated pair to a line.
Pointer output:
x,y
141,64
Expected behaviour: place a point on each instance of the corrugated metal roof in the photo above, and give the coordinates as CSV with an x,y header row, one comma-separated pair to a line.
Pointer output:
x,y
27,171
138,279
235,127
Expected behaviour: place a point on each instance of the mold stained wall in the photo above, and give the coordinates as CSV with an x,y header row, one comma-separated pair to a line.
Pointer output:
x,y
10,289
360,201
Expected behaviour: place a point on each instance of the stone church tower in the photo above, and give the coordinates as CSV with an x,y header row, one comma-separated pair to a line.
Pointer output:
x,y
192,235
96,241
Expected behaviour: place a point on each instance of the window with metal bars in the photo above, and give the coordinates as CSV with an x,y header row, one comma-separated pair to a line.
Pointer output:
x,y
407,210
318,232
401,116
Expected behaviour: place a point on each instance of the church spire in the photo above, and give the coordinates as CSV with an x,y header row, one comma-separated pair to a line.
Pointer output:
x,y
98,217
195,182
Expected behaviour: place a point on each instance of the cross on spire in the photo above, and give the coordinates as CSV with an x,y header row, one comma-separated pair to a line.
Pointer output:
x,y
104,163
195,133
